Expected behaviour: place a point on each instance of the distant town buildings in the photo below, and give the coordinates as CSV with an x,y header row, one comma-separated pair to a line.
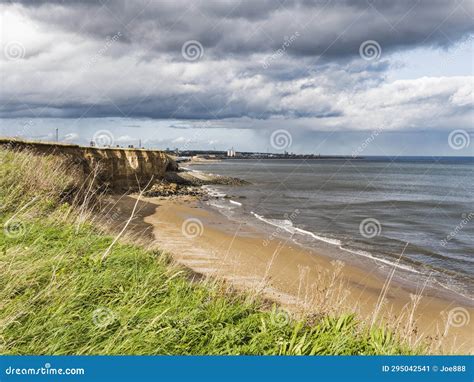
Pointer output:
x,y
231,154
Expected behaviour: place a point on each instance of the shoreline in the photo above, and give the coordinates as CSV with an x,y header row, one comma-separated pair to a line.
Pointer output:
x,y
303,281
404,275
410,273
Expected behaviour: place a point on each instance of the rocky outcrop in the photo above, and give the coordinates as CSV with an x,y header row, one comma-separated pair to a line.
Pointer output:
x,y
116,168
189,183
166,189
198,178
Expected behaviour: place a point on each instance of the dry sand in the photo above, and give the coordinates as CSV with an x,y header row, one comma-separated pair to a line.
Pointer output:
x,y
301,280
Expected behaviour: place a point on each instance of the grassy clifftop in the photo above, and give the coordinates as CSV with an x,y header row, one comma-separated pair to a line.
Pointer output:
x,y
58,297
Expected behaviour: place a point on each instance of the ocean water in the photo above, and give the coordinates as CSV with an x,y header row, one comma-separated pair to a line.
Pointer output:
x,y
367,212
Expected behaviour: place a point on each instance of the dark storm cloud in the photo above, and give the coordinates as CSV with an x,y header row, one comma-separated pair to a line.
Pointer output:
x,y
261,59
329,28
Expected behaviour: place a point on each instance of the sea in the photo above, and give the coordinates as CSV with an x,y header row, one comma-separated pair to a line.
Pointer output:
x,y
412,217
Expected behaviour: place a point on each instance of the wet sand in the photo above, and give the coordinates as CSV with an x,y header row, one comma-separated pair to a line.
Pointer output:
x,y
301,280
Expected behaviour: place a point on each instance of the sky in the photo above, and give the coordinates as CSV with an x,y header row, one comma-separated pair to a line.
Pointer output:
x,y
325,77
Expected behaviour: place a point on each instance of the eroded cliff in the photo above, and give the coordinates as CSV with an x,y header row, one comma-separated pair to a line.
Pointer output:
x,y
116,168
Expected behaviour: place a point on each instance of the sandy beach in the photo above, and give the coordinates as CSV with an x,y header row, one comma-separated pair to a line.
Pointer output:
x,y
302,281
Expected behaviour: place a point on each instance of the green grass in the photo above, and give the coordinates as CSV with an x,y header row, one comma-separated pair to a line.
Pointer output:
x,y
57,297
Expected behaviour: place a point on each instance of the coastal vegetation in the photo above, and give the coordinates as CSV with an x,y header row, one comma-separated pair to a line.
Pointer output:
x,y
59,294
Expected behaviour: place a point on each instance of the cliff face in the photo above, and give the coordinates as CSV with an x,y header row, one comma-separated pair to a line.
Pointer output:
x,y
116,167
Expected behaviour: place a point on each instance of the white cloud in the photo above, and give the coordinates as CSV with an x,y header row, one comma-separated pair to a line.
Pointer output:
x,y
180,140
71,136
125,138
